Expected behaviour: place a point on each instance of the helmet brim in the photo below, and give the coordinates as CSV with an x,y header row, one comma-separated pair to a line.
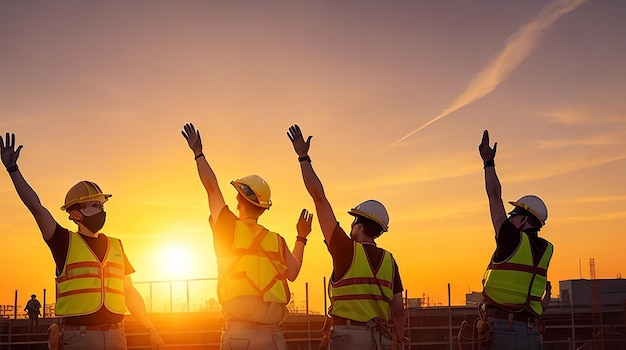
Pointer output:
x,y
528,209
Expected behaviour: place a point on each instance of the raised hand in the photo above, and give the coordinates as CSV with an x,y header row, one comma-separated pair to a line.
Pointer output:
x,y
8,152
304,223
299,145
193,138
486,152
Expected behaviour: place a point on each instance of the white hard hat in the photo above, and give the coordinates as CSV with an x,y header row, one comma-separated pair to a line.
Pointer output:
x,y
373,210
533,205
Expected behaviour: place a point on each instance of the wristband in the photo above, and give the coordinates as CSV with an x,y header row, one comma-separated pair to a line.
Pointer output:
x,y
12,168
304,158
198,156
301,239
489,163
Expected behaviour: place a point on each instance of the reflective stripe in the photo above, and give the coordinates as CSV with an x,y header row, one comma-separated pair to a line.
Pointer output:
x,y
363,280
85,284
523,268
361,297
363,294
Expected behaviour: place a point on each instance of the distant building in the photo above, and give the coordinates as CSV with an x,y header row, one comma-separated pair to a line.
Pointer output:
x,y
473,298
580,293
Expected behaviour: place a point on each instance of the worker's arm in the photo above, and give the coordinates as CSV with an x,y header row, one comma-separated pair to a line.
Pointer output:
x,y
545,302
207,176
294,259
492,183
136,306
397,316
325,213
42,216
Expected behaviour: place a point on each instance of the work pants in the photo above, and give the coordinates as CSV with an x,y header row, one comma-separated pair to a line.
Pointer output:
x,y
238,335
520,336
348,337
83,339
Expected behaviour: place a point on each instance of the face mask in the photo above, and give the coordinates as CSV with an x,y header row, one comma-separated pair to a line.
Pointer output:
x,y
95,222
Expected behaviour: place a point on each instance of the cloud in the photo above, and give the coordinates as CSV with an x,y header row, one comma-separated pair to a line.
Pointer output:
x,y
440,168
564,167
603,199
596,140
580,115
518,47
564,116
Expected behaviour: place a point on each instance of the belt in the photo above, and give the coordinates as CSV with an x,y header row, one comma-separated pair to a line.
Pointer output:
x,y
98,327
523,316
232,325
340,321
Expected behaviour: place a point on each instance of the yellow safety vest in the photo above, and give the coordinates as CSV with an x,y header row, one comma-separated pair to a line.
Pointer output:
x,y
516,283
254,267
363,294
86,284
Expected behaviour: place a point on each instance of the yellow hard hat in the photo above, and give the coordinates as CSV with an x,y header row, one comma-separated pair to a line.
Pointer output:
x,y
373,210
82,192
534,205
254,189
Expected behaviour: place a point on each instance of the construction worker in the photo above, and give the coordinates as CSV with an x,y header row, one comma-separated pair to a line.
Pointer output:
x,y
516,278
33,309
253,263
94,287
365,287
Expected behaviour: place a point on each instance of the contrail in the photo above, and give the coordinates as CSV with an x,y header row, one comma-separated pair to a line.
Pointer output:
x,y
518,47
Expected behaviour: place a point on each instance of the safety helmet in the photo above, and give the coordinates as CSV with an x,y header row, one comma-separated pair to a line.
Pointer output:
x,y
534,205
373,210
254,189
82,192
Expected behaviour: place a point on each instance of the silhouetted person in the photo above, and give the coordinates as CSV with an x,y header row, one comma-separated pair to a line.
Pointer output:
x,y
365,287
33,307
516,278
93,283
253,263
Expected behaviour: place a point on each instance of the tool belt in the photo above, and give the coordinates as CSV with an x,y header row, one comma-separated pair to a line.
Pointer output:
x,y
340,321
522,316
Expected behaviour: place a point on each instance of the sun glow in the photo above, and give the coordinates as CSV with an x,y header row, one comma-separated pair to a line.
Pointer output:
x,y
176,262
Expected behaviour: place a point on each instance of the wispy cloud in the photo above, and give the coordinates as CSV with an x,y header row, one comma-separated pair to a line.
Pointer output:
x,y
451,166
564,116
518,47
459,166
595,140
564,167
598,199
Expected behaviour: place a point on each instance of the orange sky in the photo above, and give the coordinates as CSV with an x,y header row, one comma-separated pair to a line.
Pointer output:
x,y
100,91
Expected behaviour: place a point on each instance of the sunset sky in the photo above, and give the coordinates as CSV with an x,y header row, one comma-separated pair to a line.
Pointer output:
x,y
395,93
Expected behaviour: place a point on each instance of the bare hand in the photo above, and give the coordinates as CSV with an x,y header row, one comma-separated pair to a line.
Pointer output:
x,y
486,152
299,145
193,138
155,340
304,223
8,152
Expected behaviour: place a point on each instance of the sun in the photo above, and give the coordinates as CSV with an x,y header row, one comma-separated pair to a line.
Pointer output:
x,y
176,262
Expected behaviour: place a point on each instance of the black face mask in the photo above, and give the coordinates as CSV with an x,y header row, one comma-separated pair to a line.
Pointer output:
x,y
95,222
